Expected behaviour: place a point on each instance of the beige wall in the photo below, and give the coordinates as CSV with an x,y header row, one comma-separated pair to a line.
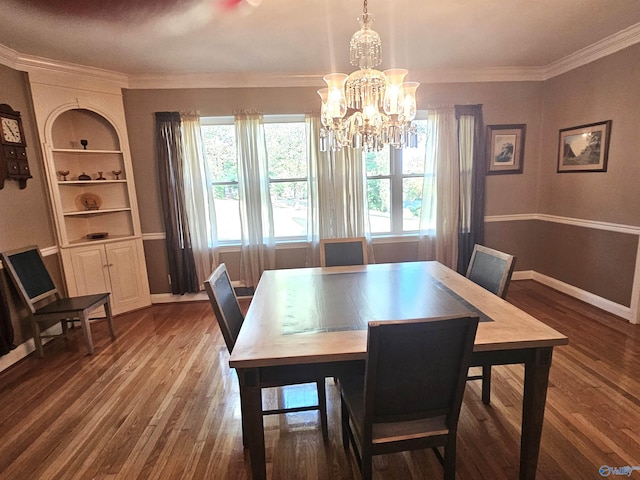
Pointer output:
x,y
607,89
25,214
598,261
25,217
503,103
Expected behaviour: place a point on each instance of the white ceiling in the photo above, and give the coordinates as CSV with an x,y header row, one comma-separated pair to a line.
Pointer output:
x,y
308,38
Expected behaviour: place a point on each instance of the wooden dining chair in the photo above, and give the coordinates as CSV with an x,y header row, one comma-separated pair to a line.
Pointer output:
x,y
38,292
230,318
492,270
343,251
411,394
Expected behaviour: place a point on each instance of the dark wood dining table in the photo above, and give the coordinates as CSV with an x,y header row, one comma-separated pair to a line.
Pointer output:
x,y
315,320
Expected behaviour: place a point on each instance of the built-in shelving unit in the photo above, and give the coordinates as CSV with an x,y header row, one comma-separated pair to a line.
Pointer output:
x,y
92,193
93,199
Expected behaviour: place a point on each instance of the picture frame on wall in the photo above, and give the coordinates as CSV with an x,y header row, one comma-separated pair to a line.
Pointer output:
x,y
584,148
505,148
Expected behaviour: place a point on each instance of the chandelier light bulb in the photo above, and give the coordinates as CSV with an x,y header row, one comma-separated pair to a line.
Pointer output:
x,y
409,103
393,96
336,101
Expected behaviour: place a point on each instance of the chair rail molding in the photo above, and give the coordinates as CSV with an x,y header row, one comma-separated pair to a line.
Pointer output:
x,y
578,222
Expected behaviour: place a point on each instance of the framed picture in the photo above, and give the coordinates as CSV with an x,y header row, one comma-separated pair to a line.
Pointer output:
x,y
584,148
505,148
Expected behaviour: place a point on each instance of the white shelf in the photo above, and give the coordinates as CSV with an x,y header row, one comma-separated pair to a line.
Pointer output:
x,y
80,183
96,212
107,239
84,152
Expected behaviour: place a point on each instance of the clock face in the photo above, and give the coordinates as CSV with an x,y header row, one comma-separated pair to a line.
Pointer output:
x,y
11,130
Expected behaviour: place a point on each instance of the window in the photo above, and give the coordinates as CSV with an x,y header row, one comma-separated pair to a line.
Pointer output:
x,y
219,139
394,187
286,150
286,146
394,179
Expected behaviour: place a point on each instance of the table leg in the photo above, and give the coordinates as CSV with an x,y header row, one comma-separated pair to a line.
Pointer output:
x,y
536,380
252,426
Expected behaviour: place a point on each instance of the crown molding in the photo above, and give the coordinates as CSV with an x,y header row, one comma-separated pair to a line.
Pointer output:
x,y
607,46
256,80
224,80
34,64
478,75
9,57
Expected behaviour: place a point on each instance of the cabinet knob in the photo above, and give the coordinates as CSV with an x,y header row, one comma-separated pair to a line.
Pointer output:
x,y
107,265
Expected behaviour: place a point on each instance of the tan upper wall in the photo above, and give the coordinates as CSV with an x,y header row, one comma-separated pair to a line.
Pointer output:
x,y
607,89
503,103
25,216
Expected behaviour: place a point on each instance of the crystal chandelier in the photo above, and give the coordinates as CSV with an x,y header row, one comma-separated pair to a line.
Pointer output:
x,y
369,108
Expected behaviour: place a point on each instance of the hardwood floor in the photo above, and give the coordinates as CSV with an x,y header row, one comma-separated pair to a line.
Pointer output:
x,y
160,402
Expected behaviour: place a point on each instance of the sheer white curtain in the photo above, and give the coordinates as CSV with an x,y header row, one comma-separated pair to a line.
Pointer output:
x,y
319,187
337,199
438,237
198,198
256,214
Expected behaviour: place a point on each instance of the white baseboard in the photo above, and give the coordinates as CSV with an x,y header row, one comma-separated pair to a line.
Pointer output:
x,y
523,275
575,292
170,298
24,349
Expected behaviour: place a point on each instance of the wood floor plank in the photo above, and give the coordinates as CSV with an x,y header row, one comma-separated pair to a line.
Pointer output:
x,y
160,402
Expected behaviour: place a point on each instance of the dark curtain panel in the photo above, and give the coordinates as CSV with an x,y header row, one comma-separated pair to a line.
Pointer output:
x,y
6,329
466,240
182,267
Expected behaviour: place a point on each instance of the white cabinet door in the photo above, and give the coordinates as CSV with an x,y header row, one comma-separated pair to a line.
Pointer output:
x,y
127,288
90,271
116,267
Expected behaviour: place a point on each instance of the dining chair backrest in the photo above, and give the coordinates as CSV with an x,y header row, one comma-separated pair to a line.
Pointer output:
x,y
29,275
343,251
417,369
491,269
225,305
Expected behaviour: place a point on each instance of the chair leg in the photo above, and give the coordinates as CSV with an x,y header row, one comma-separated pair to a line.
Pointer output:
x,y
244,426
322,407
366,468
37,339
86,330
107,310
486,384
450,460
344,414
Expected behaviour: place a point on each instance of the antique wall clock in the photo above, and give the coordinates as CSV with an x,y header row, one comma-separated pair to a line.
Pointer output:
x,y
14,164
